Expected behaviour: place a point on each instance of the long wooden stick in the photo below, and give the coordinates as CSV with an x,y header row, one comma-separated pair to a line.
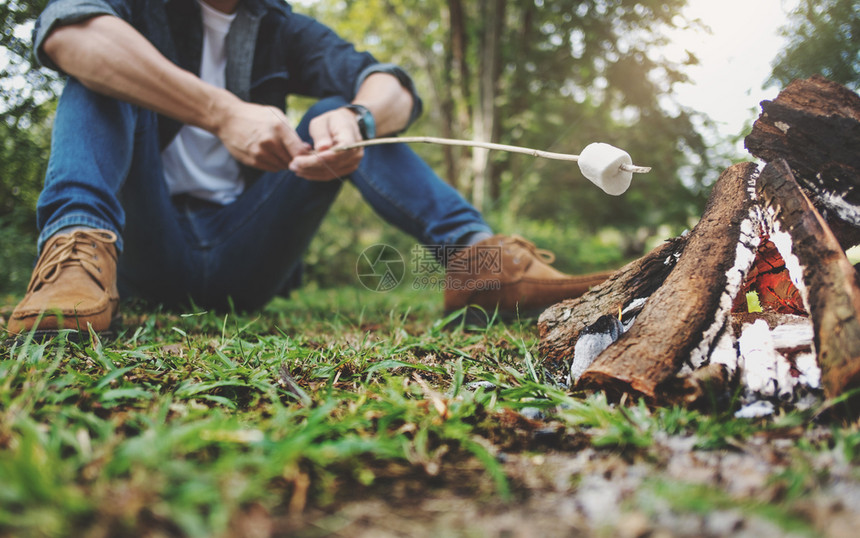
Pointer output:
x,y
486,145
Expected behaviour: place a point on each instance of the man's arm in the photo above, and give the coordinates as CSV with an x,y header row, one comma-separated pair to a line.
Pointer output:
x,y
391,106
111,57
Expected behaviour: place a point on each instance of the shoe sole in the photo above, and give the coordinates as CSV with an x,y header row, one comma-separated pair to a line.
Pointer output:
x,y
73,335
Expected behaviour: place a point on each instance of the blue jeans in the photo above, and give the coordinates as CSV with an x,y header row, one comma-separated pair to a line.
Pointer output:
x,y
105,171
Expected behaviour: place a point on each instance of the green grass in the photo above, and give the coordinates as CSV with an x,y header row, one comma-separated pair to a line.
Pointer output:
x,y
186,421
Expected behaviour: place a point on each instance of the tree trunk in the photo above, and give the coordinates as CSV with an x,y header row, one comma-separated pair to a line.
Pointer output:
x,y
484,116
456,103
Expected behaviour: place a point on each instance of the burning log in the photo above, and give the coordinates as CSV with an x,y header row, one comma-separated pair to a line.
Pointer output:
x,y
832,291
814,125
684,312
626,287
760,293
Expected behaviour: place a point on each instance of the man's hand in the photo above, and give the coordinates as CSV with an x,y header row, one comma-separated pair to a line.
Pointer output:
x,y
260,136
388,101
337,127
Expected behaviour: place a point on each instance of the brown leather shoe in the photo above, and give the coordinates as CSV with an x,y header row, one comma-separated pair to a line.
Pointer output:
x,y
511,274
73,284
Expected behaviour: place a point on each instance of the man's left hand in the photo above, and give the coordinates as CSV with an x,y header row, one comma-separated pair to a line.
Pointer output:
x,y
335,128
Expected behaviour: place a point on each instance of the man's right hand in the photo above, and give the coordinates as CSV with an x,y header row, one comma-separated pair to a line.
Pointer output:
x,y
259,136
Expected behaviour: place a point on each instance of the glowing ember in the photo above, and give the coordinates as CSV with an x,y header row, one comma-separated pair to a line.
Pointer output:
x,y
770,279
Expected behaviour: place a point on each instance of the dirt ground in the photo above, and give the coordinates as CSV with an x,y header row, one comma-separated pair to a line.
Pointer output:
x,y
761,487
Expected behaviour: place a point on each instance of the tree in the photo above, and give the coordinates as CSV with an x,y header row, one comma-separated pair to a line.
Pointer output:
x,y
22,87
26,105
824,38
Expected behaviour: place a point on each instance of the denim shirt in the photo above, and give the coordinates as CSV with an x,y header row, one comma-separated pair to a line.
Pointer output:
x,y
272,51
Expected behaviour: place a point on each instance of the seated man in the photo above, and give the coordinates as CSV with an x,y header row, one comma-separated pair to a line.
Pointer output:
x,y
175,175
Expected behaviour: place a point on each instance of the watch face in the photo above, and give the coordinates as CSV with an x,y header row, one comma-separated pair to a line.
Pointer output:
x,y
367,126
366,123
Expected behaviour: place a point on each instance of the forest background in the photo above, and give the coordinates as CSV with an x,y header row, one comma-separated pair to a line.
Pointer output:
x,y
547,74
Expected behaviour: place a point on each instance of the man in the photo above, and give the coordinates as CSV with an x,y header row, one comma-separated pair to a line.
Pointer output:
x,y
175,175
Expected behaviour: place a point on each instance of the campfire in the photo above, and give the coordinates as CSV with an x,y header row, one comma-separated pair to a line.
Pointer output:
x,y
758,302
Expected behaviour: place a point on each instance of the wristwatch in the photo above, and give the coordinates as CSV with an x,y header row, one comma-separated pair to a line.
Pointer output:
x,y
366,123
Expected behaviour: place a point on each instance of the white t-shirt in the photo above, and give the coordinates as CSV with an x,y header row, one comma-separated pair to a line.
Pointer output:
x,y
196,162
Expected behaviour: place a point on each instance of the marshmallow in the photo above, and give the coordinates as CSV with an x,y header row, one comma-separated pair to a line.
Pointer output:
x,y
601,163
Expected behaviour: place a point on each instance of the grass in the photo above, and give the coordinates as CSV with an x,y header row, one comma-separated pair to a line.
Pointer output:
x,y
189,423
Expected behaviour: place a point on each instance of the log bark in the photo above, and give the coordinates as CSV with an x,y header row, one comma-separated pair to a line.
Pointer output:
x,y
814,125
832,287
561,324
684,283
685,312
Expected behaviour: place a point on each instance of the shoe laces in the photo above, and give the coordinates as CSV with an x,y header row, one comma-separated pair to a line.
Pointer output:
x,y
546,255
77,249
